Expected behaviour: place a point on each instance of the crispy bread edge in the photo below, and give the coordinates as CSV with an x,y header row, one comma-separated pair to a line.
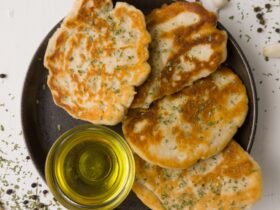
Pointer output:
x,y
147,196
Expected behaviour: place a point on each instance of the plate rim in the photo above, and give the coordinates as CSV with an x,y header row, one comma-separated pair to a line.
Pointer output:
x,y
252,84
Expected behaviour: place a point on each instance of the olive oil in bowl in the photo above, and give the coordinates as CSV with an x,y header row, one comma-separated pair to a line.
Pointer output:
x,y
90,167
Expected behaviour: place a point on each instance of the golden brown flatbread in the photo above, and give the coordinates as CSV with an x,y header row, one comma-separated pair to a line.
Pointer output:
x,y
230,180
195,123
96,58
186,46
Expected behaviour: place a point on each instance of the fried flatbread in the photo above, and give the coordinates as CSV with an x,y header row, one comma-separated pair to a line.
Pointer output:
x,y
195,123
96,58
230,180
186,46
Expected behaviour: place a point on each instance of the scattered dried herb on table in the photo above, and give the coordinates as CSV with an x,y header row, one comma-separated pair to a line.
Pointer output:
x,y
2,76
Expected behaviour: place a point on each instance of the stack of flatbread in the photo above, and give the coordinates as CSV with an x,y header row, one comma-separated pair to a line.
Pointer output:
x,y
162,77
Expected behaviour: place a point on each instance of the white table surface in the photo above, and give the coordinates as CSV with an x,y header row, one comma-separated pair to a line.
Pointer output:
x,y
23,25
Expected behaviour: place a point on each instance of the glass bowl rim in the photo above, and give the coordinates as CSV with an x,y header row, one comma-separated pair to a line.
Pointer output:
x,y
63,139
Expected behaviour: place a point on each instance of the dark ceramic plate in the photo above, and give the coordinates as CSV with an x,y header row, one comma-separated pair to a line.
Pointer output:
x,y
43,121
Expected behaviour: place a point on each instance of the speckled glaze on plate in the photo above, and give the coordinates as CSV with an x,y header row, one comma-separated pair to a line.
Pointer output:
x,y
43,122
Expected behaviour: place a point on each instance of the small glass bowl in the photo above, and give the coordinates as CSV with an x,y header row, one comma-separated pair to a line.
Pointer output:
x,y
83,194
